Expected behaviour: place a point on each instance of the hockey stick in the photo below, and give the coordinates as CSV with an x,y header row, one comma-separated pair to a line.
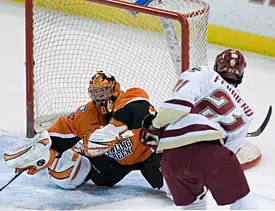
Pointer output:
x,y
170,36
14,177
263,126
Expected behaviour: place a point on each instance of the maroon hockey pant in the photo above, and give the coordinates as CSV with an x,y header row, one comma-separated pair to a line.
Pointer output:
x,y
187,169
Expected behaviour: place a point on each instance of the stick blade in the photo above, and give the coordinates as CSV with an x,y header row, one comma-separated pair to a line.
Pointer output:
x,y
263,126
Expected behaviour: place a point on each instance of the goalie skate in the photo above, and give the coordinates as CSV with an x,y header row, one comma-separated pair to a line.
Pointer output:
x,y
34,156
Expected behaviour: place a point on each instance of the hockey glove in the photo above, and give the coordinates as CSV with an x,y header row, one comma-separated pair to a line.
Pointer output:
x,y
34,156
103,140
149,135
97,145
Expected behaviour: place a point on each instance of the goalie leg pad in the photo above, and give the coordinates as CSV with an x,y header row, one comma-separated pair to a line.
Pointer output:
x,y
249,155
34,156
70,170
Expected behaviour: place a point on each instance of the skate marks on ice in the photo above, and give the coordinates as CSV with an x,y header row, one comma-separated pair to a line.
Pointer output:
x,y
36,192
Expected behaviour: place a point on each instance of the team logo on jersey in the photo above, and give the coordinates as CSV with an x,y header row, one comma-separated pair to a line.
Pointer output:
x,y
121,150
71,116
82,109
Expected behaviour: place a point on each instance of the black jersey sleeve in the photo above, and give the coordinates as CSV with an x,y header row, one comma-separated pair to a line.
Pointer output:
x,y
132,114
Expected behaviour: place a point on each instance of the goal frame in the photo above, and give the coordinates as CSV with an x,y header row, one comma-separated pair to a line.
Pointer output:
x,y
181,18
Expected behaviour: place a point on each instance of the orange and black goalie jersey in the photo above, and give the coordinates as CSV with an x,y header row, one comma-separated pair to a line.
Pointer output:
x,y
128,110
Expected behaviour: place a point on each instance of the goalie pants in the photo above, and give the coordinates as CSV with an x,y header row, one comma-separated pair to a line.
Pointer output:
x,y
187,169
106,171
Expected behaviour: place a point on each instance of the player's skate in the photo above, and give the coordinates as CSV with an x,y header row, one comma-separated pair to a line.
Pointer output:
x,y
34,156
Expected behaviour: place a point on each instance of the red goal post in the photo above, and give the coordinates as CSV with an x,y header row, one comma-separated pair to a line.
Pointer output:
x,y
67,41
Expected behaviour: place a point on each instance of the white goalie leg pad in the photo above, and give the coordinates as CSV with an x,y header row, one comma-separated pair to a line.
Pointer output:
x,y
249,155
70,170
34,156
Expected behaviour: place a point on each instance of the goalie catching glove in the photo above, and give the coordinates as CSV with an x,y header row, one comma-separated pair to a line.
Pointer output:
x,y
33,156
149,135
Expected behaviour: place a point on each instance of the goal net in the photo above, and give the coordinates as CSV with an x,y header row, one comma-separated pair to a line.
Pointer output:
x,y
67,41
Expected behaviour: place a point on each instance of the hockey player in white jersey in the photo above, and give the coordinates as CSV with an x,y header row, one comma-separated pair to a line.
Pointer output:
x,y
198,129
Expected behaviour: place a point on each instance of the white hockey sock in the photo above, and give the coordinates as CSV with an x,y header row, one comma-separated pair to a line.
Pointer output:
x,y
166,189
248,202
199,204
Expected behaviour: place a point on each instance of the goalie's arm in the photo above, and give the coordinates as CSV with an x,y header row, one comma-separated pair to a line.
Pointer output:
x,y
133,113
126,118
125,123
61,135
67,131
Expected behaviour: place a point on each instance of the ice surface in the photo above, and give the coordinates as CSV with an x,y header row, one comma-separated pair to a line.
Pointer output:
x,y
36,192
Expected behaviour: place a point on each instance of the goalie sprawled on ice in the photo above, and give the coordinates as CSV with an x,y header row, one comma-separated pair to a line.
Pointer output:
x,y
99,141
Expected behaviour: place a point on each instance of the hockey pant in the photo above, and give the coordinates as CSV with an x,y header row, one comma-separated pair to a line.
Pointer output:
x,y
106,171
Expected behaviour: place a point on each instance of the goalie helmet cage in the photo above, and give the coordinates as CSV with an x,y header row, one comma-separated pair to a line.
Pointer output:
x,y
67,41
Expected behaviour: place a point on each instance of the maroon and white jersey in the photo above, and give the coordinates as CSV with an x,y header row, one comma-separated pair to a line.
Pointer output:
x,y
203,107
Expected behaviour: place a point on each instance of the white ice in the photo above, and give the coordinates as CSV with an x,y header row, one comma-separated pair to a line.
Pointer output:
x,y
133,193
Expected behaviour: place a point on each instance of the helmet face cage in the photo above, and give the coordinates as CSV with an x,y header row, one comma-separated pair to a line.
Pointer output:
x,y
101,91
100,95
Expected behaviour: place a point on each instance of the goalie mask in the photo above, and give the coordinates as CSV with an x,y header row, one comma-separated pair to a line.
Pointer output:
x,y
104,90
230,64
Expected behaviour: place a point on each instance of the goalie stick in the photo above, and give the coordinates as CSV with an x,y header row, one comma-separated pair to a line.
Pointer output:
x,y
14,177
263,125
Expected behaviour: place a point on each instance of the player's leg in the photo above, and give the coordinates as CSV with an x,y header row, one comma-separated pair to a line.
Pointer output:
x,y
106,171
226,180
187,194
69,169
185,186
151,171
188,169
73,169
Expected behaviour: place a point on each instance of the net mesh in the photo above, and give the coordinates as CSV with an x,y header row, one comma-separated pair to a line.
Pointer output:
x,y
74,38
